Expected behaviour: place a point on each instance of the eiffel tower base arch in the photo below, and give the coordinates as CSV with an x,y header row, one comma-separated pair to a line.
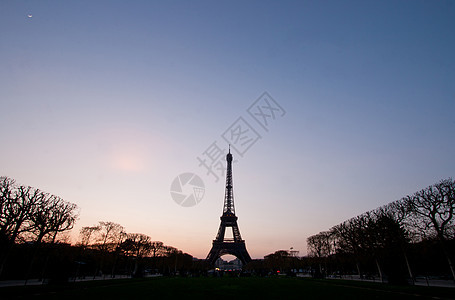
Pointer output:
x,y
238,249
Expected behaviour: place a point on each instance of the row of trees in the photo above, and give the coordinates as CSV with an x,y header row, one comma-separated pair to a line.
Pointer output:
x,y
385,237
30,215
107,243
279,262
33,224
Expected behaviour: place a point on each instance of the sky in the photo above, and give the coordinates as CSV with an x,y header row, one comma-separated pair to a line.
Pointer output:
x,y
105,103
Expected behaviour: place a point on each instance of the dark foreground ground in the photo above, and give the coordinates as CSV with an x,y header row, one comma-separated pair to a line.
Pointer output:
x,y
224,288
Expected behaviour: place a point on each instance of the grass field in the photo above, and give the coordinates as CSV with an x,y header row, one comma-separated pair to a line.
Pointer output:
x,y
224,288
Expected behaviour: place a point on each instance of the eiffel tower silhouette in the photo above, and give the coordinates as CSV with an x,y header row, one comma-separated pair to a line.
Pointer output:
x,y
221,245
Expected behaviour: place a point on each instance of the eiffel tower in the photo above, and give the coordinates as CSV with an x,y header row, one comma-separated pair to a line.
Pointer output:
x,y
235,246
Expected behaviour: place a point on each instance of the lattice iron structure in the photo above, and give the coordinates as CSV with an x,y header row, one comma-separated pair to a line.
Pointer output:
x,y
221,245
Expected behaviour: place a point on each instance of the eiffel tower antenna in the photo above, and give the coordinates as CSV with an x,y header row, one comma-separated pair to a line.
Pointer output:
x,y
221,245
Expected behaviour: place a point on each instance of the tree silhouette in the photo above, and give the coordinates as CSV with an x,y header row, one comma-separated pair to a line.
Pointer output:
x,y
32,215
109,235
17,206
86,234
386,234
52,215
433,209
321,246
156,248
137,245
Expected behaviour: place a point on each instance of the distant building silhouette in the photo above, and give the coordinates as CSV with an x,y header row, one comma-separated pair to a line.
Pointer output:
x,y
232,265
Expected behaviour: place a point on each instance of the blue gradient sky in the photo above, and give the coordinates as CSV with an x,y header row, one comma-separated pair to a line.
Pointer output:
x,y
105,102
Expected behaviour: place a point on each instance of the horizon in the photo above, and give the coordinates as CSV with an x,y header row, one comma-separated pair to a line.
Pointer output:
x,y
106,104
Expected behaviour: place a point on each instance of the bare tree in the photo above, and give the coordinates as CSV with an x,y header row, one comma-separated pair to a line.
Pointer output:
x,y
398,211
86,234
108,237
156,248
385,239
109,234
350,238
432,209
320,245
118,245
381,235
138,245
141,244
17,205
7,199
51,216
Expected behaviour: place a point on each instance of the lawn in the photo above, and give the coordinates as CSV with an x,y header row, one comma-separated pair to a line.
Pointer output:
x,y
224,288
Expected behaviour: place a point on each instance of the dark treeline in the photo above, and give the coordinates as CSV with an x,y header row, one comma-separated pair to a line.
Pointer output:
x,y
33,244
411,237
414,236
107,250
280,262
33,218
